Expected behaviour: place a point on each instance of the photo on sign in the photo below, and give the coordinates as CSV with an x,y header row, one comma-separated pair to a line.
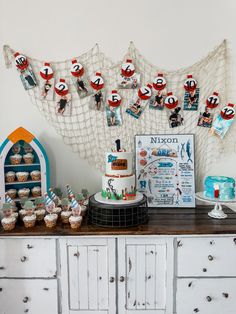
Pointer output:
x,y
113,116
136,107
131,82
28,78
191,100
63,105
205,118
157,100
175,117
82,86
98,100
165,169
47,89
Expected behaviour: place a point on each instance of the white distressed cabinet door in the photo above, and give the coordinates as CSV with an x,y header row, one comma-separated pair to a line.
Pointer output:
x,y
145,275
88,276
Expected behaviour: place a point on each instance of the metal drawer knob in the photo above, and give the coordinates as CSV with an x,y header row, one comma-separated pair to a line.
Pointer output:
x,y
1,268
122,278
26,311
0,289
204,270
209,299
235,240
196,310
29,246
112,279
225,294
23,259
76,254
210,257
179,244
26,299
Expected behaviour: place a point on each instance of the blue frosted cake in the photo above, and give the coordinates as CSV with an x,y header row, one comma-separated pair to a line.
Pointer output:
x,y
219,187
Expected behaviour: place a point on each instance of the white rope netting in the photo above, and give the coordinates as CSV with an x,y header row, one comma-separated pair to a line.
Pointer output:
x,y
86,130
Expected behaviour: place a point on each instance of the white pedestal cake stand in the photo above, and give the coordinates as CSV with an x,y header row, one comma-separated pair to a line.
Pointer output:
x,y
217,212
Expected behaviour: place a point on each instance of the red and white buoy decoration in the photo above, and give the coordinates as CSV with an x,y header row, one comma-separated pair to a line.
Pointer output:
x,y
97,81
61,88
159,82
171,101
21,61
128,68
213,100
77,68
190,84
145,92
228,112
114,99
46,72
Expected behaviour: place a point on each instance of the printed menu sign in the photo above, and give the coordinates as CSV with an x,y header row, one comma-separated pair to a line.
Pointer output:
x,y
165,169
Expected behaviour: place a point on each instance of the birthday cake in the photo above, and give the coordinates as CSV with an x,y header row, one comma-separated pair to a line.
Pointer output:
x,y
118,183
219,187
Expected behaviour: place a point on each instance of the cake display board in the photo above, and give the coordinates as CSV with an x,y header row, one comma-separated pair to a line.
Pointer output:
x,y
14,151
217,212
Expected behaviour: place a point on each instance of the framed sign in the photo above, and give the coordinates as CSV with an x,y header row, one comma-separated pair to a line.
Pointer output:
x,y
165,169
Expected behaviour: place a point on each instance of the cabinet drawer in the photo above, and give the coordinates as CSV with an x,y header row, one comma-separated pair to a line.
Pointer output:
x,y
35,296
27,258
206,296
205,257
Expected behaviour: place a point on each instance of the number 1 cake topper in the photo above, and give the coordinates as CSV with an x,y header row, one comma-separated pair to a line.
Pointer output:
x,y
128,68
77,68
97,81
46,72
145,92
159,82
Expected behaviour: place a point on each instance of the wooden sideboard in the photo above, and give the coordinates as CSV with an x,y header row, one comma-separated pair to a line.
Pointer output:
x,y
181,262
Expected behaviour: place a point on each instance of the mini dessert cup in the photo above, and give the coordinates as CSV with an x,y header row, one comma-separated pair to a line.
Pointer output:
x,y
10,176
15,159
51,220
36,191
8,223
29,221
65,215
75,222
35,175
39,203
24,193
28,158
29,208
22,176
12,193
40,213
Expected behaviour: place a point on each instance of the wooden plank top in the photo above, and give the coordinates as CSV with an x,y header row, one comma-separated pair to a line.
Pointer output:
x,y
174,221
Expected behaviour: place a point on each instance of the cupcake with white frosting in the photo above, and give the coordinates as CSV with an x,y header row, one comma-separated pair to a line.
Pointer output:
x,y
10,176
51,218
24,193
36,191
15,159
8,221
35,175
12,193
28,158
76,218
22,176
30,217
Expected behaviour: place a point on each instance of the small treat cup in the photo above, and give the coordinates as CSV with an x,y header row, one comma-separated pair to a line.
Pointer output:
x,y
12,193
28,158
65,215
40,213
8,223
36,191
15,159
29,221
75,222
10,176
24,193
22,176
35,175
50,220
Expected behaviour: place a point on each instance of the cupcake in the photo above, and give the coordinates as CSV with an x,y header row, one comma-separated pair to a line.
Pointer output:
x,y
36,191
65,215
65,204
10,176
29,221
85,193
83,210
24,193
28,158
39,203
30,218
75,221
16,148
28,148
35,175
22,213
15,159
12,193
22,176
40,213
8,221
50,220
80,198
56,210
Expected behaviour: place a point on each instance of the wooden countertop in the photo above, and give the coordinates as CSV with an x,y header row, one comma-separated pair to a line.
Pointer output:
x,y
161,222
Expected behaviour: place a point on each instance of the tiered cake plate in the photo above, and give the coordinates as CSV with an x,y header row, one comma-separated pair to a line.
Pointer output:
x,y
111,213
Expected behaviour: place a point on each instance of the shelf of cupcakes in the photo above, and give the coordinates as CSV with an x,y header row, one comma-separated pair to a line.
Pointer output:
x,y
22,177
50,209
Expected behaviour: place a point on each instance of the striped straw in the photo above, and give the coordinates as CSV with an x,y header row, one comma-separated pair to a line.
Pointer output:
x,y
48,201
52,194
69,190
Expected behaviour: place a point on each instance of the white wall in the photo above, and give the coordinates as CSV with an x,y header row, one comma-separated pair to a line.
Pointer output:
x,y
169,33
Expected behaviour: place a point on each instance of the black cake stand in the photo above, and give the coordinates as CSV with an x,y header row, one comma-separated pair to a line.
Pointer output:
x,y
118,215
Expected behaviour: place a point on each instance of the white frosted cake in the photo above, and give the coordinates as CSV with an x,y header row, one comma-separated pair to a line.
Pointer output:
x,y
118,183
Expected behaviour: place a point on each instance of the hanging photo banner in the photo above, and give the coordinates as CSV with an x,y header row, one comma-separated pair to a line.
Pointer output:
x,y
63,98
145,92
46,82
223,121
175,115
165,169
159,82
80,79
128,78
97,81
27,76
113,112
207,111
191,95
